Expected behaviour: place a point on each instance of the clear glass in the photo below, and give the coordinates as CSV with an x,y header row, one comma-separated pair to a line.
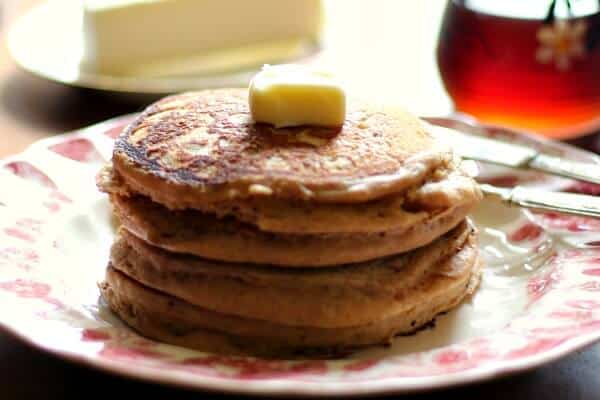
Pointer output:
x,y
524,63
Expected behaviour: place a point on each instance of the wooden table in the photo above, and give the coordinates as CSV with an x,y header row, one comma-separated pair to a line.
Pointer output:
x,y
365,34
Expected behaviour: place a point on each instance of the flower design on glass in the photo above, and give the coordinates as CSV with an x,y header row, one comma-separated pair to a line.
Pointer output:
x,y
560,42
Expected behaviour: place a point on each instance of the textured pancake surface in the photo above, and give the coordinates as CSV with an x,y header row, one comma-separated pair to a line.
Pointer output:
x,y
169,319
196,148
342,296
226,239
397,212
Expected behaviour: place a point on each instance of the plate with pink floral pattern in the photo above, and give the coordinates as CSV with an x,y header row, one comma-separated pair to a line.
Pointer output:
x,y
539,298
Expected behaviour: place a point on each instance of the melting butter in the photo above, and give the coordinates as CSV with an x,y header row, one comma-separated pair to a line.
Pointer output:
x,y
293,95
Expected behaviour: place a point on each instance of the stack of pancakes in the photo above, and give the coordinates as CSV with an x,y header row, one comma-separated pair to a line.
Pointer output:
x,y
241,238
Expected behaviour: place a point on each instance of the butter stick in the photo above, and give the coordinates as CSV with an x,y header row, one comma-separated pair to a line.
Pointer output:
x,y
293,95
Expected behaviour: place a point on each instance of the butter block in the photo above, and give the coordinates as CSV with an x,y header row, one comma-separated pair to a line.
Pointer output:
x,y
131,37
292,95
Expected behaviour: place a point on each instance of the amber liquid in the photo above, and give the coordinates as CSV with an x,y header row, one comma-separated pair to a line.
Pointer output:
x,y
489,67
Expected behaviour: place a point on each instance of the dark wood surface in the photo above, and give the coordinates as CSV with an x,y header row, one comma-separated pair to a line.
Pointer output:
x,y
31,109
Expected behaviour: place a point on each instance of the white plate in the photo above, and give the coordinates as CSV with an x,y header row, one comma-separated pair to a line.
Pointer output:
x,y
539,298
48,41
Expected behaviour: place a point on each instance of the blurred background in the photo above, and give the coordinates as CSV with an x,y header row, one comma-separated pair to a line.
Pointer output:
x,y
372,45
532,65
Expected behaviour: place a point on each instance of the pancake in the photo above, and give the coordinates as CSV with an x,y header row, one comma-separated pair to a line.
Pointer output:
x,y
397,212
240,238
226,239
166,318
341,296
193,149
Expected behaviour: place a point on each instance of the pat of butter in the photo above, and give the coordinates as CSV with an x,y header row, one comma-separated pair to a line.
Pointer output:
x,y
292,95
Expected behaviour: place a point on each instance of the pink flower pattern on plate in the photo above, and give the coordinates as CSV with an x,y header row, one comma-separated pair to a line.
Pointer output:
x,y
571,279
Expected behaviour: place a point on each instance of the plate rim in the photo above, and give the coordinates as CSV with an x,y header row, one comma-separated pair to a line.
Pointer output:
x,y
277,387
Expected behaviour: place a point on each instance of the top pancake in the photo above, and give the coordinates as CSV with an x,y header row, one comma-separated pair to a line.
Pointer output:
x,y
203,147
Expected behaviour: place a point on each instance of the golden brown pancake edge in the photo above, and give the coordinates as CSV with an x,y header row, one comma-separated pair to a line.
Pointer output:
x,y
340,296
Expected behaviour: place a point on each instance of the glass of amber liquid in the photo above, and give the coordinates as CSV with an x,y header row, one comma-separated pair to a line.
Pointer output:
x,y
526,64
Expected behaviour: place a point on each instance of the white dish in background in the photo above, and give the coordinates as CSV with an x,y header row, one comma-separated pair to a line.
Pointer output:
x,y
47,41
538,300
